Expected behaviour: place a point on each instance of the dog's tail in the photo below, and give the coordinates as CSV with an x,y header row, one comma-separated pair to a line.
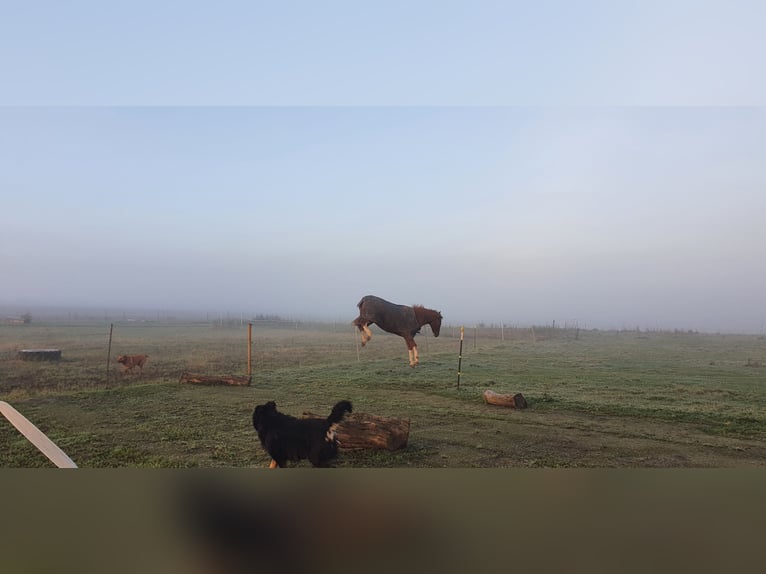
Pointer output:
x,y
338,411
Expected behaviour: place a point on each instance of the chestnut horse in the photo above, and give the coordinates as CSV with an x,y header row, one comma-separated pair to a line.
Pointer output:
x,y
398,319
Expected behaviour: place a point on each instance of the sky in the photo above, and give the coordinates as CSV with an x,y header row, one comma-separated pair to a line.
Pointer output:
x,y
604,165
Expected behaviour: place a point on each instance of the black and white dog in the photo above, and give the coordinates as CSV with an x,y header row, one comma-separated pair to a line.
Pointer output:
x,y
287,438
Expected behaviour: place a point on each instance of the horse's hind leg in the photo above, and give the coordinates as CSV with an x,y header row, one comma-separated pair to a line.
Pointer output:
x,y
364,330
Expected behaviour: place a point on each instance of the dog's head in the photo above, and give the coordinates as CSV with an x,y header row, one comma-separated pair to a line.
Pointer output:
x,y
262,413
121,359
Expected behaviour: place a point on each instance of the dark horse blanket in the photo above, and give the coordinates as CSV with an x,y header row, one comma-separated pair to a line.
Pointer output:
x,y
398,319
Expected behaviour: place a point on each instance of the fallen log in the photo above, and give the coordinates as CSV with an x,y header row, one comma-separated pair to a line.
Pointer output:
x,y
360,431
233,380
516,401
39,355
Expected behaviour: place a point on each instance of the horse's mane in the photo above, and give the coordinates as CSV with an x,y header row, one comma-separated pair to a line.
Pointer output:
x,y
424,315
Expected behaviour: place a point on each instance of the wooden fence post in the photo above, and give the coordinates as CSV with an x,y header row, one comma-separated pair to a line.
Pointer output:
x,y
109,352
250,352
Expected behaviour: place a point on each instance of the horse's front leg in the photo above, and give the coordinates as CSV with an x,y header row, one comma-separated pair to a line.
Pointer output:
x,y
412,350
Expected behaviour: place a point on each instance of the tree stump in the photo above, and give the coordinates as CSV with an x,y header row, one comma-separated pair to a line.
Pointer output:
x,y
360,431
516,401
232,380
39,355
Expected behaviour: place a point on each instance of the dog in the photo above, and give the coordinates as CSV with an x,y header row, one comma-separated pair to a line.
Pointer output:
x,y
130,361
287,438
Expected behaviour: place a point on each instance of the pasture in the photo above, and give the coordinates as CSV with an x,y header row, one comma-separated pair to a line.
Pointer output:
x,y
596,399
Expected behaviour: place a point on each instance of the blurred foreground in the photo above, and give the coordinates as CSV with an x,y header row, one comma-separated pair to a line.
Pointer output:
x,y
346,520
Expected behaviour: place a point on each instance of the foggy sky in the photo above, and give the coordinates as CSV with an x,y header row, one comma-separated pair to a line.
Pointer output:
x,y
611,217
629,192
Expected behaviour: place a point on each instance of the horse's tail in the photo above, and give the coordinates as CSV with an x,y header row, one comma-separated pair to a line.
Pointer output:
x,y
359,321
341,408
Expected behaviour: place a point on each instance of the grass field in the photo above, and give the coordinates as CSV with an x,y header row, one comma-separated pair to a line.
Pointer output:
x,y
596,399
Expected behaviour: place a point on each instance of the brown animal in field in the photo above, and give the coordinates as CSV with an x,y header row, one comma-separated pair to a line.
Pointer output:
x,y
130,361
398,319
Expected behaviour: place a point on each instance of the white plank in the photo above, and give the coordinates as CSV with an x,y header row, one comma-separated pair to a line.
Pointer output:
x,y
36,437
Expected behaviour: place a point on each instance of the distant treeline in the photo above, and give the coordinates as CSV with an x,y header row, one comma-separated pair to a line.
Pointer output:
x,y
269,317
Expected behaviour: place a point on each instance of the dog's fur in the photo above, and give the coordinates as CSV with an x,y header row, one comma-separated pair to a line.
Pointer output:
x,y
130,361
287,438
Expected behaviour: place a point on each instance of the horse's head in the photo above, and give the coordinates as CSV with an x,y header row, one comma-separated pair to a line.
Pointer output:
x,y
436,323
428,317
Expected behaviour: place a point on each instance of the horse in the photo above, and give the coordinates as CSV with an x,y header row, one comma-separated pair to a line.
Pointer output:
x,y
397,319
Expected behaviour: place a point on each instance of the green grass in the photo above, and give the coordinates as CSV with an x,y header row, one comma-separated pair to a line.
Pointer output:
x,y
600,399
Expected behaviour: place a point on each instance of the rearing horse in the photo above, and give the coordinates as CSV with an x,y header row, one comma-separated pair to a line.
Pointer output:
x,y
398,319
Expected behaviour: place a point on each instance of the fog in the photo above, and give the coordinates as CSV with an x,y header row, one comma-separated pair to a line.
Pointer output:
x,y
522,164
613,218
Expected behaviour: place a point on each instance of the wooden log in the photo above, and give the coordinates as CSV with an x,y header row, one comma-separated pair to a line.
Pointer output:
x,y
516,401
360,431
232,380
39,355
